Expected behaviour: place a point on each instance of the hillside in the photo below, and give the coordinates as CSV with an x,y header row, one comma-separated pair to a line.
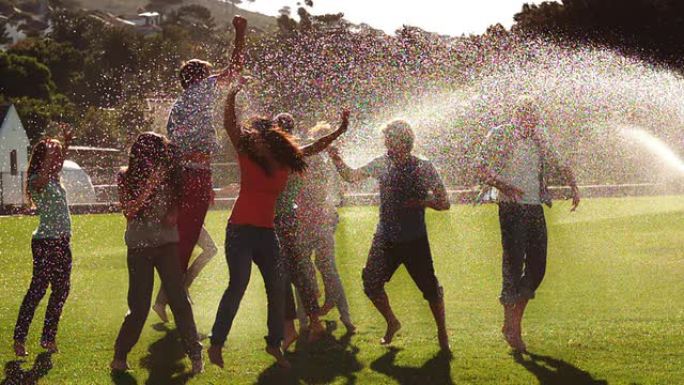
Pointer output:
x,y
223,12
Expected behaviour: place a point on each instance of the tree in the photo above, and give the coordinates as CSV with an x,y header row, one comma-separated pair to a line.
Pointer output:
x,y
63,60
36,114
4,36
651,29
24,76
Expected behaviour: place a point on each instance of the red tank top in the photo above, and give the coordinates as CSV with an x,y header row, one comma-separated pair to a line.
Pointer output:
x,y
259,191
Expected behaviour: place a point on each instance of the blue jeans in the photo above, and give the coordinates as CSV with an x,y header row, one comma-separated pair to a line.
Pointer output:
x,y
245,244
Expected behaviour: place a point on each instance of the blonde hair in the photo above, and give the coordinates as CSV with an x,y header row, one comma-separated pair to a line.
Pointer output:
x,y
400,130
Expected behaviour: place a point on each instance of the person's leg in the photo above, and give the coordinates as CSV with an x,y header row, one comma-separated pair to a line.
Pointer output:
x,y
164,259
240,242
267,259
334,290
301,274
535,262
418,261
194,204
301,314
60,281
209,250
513,242
41,249
380,267
140,285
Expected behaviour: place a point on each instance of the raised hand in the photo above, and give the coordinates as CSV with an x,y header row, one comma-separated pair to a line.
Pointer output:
x,y
575,198
67,133
344,125
333,152
240,24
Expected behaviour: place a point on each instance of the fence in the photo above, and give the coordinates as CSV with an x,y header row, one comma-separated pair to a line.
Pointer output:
x,y
96,191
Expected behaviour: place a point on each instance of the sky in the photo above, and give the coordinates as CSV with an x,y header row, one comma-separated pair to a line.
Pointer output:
x,y
447,17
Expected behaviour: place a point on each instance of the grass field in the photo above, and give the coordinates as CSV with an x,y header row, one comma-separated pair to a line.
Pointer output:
x,y
611,308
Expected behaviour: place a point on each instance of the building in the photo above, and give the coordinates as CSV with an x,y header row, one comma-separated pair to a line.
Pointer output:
x,y
14,149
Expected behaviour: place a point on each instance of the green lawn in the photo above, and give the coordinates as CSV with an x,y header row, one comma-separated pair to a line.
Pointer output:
x,y
611,308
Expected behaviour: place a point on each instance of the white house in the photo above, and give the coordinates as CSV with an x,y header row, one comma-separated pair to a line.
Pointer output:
x,y
14,148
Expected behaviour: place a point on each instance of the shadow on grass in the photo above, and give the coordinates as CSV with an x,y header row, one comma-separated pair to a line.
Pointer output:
x,y
165,359
553,371
123,378
320,363
436,370
15,375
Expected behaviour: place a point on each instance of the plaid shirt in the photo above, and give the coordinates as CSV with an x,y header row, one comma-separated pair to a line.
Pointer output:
x,y
191,121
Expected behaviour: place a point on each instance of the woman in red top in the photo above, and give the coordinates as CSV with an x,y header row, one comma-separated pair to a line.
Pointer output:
x,y
266,156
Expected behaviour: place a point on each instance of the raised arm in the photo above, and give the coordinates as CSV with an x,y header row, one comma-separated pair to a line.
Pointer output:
x,y
237,58
323,143
230,122
347,173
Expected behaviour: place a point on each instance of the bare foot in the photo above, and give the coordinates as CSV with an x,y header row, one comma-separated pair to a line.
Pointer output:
x,y
50,346
325,309
316,331
215,355
20,349
513,339
443,339
351,328
118,365
277,353
392,328
290,336
161,312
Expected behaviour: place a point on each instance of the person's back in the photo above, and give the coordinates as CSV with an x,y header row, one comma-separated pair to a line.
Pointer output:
x,y
259,191
191,121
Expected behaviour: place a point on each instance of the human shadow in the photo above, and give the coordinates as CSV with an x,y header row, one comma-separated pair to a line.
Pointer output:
x,y
322,362
436,370
15,375
553,371
123,378
164,360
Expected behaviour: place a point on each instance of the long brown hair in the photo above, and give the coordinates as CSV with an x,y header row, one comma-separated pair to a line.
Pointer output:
x,y
150,151
282,145
36,163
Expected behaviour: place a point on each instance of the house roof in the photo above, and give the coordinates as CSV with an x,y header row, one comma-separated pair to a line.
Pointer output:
x,y
4,109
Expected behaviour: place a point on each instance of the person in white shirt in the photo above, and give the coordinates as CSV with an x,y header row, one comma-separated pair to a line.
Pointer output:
x,y
514,164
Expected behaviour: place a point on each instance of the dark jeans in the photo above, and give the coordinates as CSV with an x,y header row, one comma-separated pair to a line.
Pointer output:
x,y
524,242
141,265
51,266
299,270
245,244
385,258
